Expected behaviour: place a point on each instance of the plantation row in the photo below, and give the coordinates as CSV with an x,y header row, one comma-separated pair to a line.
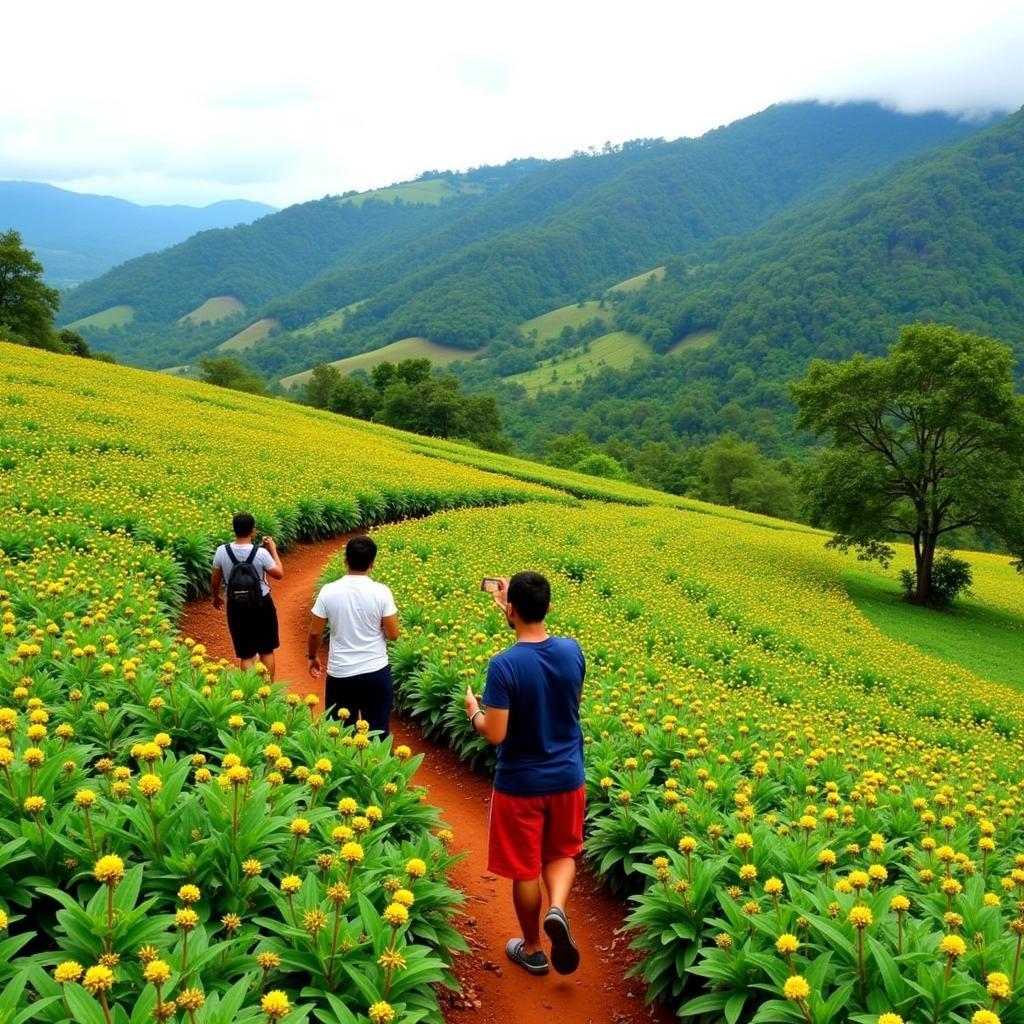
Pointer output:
x,y
819,823
179,841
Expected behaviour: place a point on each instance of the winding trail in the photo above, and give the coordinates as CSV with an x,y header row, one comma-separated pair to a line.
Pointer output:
x,y
494,991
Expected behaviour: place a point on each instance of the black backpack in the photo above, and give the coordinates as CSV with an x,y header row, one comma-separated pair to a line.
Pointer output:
x,y
244,586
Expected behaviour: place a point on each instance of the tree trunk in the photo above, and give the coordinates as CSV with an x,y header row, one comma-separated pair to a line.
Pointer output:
x,y
925,558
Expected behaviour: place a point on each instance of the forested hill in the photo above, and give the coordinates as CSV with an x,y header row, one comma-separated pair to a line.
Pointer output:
x,y
940,238
502,244
78,236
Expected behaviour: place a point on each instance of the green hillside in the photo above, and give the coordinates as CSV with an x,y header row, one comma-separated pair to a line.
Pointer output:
x,y
220,307
432,192
611,351
407,348
633,283
115,316
515,242
550,325
248,336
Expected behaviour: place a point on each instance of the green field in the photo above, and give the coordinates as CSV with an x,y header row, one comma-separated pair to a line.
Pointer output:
x,y
218,308
631,284
550,325
248,337
696,340
428,193
985,639
115,316
330,322
616,350
407,348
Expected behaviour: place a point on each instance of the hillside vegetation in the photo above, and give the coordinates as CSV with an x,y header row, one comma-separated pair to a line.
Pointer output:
x,y
754,744
510,243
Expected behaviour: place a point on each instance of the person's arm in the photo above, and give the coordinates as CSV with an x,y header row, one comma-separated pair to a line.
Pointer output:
x,y
491,723
276,571
316,632
389,615
216,578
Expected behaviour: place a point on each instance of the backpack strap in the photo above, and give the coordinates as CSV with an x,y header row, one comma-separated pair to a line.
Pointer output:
x,y
231,554
252,555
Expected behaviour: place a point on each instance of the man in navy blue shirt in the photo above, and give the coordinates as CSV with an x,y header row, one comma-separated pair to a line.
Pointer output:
x,y
532,701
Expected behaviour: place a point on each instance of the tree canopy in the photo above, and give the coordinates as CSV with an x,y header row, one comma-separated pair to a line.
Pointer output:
x,y
922,442
27,305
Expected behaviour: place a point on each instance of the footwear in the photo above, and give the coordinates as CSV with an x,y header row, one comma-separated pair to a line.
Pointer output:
x,y
565,957
535,963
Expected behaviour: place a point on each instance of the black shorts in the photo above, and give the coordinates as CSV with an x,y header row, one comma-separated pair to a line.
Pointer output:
x,y
254,630
368,695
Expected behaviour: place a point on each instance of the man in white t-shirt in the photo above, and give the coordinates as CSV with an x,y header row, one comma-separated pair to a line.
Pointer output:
x,y
362,617
252,623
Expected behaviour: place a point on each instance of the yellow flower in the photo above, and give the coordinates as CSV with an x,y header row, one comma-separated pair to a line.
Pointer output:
x,y
275,1004
150,785
34,804
998,985
952,946
157,972
787,944
299,827
985,1017
189,893
191,999
381,1013
796,988
352,853
85,798
415,868
899,904
268,961
774,886
186,918
291,884
860,917
251,867
395,914
98,979
109,869
68,971
744,841
347,806
404,897
890,1018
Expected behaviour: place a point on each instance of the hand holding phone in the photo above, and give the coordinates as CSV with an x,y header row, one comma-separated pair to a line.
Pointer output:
x,y
490,584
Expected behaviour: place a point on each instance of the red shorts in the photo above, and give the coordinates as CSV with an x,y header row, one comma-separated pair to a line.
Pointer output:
x,y
526,832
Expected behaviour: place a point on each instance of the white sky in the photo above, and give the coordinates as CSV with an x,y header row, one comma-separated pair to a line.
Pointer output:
x,y
198,101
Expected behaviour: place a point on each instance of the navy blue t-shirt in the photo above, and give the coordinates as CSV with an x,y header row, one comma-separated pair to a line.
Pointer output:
x,y
540,685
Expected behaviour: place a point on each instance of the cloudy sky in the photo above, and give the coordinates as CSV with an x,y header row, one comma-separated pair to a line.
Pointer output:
x,y
198,101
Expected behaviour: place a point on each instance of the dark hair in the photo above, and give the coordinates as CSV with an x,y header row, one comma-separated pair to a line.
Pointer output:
x,y
360,552
530,594
243,524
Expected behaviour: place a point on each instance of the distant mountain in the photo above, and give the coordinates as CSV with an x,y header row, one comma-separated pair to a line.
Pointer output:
x,y
463,259
937,238
78,236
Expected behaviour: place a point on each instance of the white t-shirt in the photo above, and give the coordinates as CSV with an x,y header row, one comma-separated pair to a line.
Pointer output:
x,y
353,607
263,561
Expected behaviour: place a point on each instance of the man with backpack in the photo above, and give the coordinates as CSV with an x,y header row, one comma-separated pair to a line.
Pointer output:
x,y
252,617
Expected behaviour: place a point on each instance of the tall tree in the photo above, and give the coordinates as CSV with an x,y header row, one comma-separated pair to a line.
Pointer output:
x,y
922,442
27,306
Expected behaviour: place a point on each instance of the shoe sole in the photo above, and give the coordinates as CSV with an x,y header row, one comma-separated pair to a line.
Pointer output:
x,y
565,957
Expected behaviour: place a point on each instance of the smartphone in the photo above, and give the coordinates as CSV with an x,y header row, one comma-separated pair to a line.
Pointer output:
x,y
490,585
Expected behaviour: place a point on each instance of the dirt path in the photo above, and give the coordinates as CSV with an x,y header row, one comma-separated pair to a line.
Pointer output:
x,y
494,991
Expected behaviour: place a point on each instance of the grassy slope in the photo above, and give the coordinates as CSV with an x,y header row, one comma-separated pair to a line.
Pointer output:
x,y
631,284
407,348
115,316
430,193
550,325
212,310
248,336
330,322
696,340
616,350
982,633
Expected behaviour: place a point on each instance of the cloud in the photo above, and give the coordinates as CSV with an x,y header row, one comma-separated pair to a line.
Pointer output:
x,y
200,101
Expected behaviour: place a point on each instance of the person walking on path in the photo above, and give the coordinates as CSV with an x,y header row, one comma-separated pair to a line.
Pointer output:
x,y
362,617
531,713
252,617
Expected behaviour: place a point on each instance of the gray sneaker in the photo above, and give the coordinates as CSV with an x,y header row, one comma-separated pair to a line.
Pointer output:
x,y
535,963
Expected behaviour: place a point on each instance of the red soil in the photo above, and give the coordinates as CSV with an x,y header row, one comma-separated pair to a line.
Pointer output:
x,y
495,991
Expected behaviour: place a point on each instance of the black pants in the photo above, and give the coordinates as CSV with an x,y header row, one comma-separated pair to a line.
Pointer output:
x,y
367,696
